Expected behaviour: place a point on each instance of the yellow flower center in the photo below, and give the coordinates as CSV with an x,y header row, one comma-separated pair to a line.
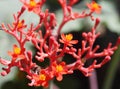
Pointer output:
x,y
95,6
32,3
17,50
59,68
20,24
69,37
42,77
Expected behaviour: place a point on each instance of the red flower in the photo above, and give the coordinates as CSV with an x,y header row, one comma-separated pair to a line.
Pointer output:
x,y
40,79
32,5
59,70
94,7
16,52
20,25
67,39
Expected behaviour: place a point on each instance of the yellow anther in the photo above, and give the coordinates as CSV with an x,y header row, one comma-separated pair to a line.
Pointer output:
x,y
69,37
95,6
42,77
32,3
59,68
17,50
20,24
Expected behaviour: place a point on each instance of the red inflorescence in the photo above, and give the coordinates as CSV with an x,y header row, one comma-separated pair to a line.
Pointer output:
x,y
52,47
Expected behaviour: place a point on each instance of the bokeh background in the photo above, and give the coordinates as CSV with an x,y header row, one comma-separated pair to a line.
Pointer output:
x,y
108,76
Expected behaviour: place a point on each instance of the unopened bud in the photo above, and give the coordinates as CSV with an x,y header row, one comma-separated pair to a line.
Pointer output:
x,y
97,21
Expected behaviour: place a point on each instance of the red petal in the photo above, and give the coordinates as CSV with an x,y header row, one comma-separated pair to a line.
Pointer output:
x,y
59,77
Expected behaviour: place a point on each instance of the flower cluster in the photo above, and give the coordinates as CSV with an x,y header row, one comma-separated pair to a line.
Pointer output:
x,y
51,46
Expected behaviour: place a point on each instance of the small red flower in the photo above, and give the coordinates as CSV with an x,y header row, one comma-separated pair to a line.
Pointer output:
x,y
33,5
40,79
59,70
67,39
20,25
94,7
16,52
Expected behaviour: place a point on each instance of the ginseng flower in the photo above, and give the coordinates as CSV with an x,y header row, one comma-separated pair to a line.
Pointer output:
x,y
67,39
16,52
59,70
94,7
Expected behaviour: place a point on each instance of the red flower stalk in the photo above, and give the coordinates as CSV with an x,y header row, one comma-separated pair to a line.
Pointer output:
x,y
49,45
72,2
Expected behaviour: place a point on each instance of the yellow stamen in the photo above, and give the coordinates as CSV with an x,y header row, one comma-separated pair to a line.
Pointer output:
x,y
32,3
59,68
17,50
95,5
20,24
42,77
69,37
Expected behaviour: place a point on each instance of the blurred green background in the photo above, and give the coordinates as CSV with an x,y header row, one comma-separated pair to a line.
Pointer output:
x,y
108,76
